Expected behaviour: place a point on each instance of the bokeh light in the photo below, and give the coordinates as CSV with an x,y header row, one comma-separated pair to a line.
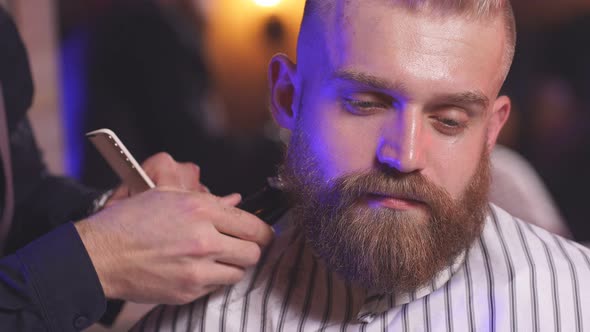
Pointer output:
x,y
267,3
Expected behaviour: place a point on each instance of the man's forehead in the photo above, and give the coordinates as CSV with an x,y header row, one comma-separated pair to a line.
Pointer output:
x,y
351,26
381,35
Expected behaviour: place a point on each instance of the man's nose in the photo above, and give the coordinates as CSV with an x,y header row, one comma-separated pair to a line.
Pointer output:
x,y
401,142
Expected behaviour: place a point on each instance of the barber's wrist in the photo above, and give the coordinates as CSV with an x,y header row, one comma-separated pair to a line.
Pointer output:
x,y
99,253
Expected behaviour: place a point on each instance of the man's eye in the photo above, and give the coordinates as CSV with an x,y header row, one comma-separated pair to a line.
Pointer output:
x,y
449,122
363,107
450,127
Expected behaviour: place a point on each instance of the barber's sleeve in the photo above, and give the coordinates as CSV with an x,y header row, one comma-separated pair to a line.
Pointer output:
x,y
42,201
45,201
50,285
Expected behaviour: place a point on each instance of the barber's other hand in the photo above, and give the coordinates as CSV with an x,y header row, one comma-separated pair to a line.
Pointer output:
x,y
170,246
164,171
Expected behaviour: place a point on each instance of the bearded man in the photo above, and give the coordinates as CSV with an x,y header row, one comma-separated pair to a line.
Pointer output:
x,y
393,107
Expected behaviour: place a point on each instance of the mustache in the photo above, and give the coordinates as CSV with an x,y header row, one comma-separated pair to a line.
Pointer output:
x,y
411,186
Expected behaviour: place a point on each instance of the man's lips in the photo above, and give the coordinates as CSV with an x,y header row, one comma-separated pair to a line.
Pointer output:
x,y
394,202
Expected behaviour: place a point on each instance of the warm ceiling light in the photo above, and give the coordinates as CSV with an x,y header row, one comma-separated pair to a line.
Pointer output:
x,y
267,3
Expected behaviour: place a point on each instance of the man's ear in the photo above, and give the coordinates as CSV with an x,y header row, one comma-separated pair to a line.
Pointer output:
x,y
283,96
499,116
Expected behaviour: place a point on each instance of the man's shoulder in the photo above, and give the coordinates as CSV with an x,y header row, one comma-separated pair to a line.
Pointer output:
x,y
519,234
515,246
516,262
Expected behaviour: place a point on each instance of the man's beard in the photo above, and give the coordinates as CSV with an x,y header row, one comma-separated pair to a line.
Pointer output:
x,y
382,249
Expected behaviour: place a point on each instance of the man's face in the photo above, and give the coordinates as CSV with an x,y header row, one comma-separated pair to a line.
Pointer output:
x,y
393,115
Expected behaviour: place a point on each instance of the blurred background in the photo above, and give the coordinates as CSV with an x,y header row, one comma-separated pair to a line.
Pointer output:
x,y
189,77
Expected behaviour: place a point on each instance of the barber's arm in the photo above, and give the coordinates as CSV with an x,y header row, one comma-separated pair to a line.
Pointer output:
x,y
50,285
34,291
167,245
42,201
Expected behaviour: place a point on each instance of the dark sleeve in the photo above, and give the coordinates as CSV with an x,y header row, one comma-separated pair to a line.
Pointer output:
x,y
42,201
50,285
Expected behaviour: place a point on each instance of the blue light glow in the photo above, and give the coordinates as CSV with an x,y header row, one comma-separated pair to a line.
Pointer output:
x,y
73,86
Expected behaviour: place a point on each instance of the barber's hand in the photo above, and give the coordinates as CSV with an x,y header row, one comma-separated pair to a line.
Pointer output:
x,y
165,172
171,246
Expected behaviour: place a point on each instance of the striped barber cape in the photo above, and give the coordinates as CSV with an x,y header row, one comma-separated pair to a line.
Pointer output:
x,y
515,277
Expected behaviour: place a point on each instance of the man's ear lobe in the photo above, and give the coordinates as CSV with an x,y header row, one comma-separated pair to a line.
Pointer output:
x,y
499,116
281,78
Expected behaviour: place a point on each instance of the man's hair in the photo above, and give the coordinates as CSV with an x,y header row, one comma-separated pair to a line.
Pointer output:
x,y
473,9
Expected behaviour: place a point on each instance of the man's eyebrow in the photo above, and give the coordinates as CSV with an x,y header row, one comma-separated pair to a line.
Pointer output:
x,y
369,81
468,98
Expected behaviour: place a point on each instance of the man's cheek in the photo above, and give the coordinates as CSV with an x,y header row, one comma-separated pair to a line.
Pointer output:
x,y
337,156
328,163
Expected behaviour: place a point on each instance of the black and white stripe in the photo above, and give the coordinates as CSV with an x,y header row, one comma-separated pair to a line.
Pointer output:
x,y
516,277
